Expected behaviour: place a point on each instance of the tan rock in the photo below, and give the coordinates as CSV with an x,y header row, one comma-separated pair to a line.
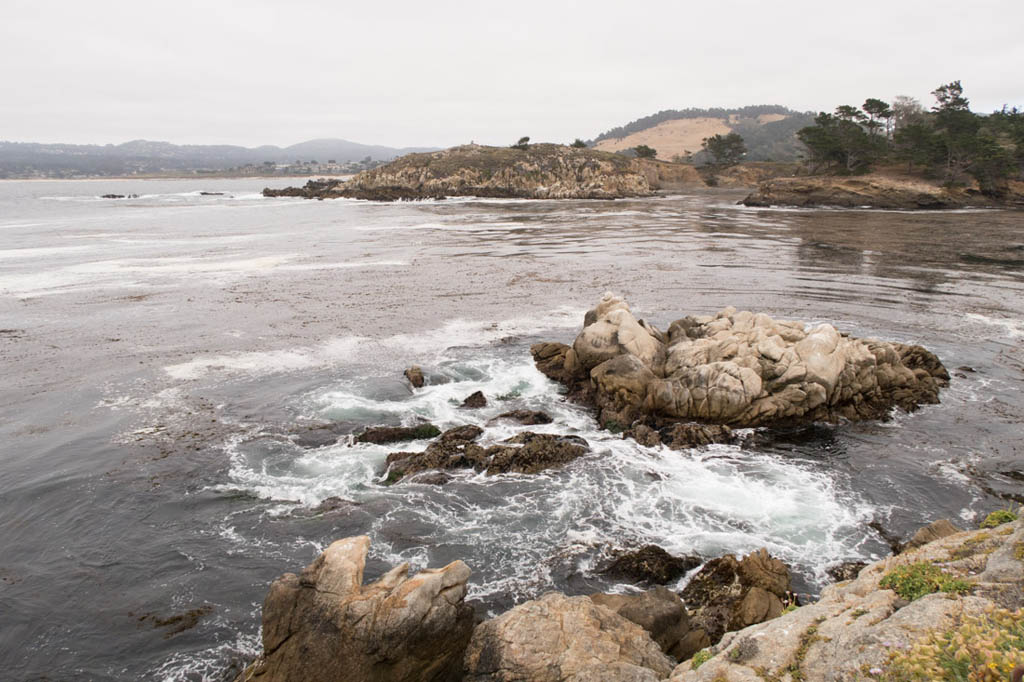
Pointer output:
x,y
558,638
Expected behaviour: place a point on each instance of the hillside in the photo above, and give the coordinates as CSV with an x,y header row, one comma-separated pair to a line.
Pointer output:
x,y
32,159
769,131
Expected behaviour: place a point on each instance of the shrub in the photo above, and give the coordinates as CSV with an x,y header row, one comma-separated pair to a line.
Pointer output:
x,y
981,648
998,518
914,581
700,658
523,143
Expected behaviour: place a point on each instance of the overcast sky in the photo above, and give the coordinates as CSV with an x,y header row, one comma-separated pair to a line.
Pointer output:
x,y
444,72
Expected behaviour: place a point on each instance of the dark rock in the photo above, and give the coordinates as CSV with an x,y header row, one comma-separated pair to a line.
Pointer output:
x,y
211,194
729,594
468,433
524,417
475,401
848,570
661,613
395,434
112,196
895,544
536,452
431,478
644,435
415,376
333,504
651,564
691,435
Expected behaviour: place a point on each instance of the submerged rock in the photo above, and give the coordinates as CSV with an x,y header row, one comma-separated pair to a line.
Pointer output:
x,y
738,369
524,417
558,638
326,625
475,401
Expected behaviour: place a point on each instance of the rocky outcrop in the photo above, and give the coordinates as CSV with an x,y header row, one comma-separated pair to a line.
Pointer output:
x,y
526,452
857,625
326,625
874,191
396,434
562,639
735,368
415,376
729,594
541,171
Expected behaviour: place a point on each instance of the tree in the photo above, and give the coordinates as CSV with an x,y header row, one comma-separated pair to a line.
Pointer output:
x,y
879,115
906,110
645,152
523,143
579,144
725,150
957,127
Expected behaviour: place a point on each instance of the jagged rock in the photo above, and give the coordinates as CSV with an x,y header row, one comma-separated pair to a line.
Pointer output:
x,y
558,638
848,570
524,417
395,434
475,401
933,531
526,452
736,368
730,594
661,613
326,625
651,564
415,376
644,435
550,360
856,625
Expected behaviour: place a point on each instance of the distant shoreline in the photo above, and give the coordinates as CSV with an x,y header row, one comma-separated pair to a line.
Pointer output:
x,y
176,177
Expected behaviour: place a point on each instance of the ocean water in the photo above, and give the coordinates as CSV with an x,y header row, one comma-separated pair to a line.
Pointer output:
x,y
164,358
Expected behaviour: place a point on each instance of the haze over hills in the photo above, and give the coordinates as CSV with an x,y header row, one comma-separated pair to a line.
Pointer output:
x,y
32,159
769,131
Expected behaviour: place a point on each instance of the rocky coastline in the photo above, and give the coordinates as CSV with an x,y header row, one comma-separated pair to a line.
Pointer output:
x,y
877,191
734,621
539,171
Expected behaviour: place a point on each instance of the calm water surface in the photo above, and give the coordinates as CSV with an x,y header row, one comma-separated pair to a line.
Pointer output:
x,y
164,357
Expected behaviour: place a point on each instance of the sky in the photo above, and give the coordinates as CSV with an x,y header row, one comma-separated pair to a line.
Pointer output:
x,y
446,72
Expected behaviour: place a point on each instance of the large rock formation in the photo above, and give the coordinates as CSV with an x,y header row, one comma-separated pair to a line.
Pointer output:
x,y
857,625
874,191
735,368
662,614
562,639
325,625
541,171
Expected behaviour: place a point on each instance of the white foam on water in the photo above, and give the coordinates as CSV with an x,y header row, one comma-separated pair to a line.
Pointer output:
x,y
1012,327
37,252
266,362
519,531
341,266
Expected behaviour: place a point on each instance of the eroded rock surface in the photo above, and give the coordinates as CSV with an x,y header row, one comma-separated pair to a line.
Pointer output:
x,y
662,614
739,369
557,639
856,625
326,625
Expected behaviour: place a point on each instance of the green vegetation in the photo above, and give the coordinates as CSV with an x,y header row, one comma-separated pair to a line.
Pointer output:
x,y
700,658
984,648
998,518
523,143
578,144
914,581
949,142
645,152
426,431
724,150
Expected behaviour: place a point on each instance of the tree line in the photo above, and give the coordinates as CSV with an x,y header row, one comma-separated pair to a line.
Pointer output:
x,y
949,141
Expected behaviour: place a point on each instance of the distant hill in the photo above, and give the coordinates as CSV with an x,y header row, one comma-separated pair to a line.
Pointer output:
x,y
769,131
28,159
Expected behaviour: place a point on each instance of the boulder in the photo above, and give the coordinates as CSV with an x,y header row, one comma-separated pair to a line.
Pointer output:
x,y
326,625
933,531
415,376
524,417
475,401
558,638
651,564
661,613
530,453
738,369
